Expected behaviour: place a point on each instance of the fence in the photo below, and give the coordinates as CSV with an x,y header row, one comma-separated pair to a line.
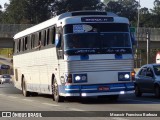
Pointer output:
x,y
144,56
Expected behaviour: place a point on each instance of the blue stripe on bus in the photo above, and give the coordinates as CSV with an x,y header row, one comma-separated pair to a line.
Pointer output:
x,y
94,88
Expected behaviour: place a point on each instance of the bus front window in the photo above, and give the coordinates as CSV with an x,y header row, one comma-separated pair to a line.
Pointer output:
x,y
81,41
115,40
97,41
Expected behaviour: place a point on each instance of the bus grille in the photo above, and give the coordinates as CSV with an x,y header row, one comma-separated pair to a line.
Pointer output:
x,y
100,65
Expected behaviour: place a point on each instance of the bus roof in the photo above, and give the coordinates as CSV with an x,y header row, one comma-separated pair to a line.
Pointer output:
x,y
65,16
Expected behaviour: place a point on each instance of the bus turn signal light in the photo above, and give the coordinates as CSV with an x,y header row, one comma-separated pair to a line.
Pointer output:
x,y
133,75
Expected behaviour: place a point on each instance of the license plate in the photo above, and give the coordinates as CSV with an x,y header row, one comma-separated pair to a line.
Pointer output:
x,y
103,88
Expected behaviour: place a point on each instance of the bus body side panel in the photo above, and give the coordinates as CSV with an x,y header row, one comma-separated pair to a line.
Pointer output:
x,y
37,68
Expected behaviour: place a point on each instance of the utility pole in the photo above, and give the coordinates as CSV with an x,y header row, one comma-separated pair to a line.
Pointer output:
x,y
148,46
137,34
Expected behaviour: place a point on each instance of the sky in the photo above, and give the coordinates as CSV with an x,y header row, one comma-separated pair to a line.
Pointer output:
x,y
146,3
143,3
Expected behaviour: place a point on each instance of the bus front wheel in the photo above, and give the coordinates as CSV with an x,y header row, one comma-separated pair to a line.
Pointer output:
x,y
24,88
55,93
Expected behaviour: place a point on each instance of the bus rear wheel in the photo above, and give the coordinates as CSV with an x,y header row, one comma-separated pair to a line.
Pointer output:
x,y
55,93
24,88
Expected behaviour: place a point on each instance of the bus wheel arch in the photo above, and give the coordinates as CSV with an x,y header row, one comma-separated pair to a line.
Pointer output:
x,y
55,90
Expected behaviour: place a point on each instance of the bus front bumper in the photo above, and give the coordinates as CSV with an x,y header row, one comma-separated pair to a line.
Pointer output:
x,y
98,90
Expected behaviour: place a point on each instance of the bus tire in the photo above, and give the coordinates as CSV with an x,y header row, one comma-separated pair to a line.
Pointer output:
x,y
55,93
24,88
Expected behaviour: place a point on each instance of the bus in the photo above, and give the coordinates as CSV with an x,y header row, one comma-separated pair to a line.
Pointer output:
x,y
80,53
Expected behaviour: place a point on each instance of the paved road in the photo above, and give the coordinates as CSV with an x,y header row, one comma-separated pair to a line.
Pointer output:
x,y
11,99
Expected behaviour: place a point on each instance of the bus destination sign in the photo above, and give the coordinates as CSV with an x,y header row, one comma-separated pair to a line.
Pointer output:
x,y
97,19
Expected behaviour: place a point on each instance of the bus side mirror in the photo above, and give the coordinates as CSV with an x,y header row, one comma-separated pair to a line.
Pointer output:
x,y
58,40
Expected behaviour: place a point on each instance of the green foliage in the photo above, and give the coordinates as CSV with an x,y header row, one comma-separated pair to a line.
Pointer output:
x,y
61,6
15,12
36,11
27,11
126,8
1,13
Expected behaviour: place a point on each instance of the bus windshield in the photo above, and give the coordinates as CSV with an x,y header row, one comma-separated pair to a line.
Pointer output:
x,y
91,38
97,41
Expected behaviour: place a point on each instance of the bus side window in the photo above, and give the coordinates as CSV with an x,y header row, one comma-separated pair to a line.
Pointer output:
x,y
26,43
47,36
36,39
54,33
51,35
29,42
43,41
15,46
39,39
23,44
19,45
32,41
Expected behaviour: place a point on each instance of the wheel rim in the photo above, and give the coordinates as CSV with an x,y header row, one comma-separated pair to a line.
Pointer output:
x,y
55,89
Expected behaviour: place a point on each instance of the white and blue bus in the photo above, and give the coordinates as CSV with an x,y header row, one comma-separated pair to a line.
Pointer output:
x,y
81,53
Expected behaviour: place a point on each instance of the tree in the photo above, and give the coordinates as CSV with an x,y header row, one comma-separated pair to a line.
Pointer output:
x,y
61,6
15,12
126,8
38,10
27,11
1,13
156,13
146,18
107,1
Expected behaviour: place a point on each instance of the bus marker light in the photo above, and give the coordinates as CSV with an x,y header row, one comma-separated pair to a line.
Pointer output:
x,y
84,94
122,92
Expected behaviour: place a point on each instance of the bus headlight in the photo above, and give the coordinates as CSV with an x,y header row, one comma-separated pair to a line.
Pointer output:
x,y
123,76
126,76
79,78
